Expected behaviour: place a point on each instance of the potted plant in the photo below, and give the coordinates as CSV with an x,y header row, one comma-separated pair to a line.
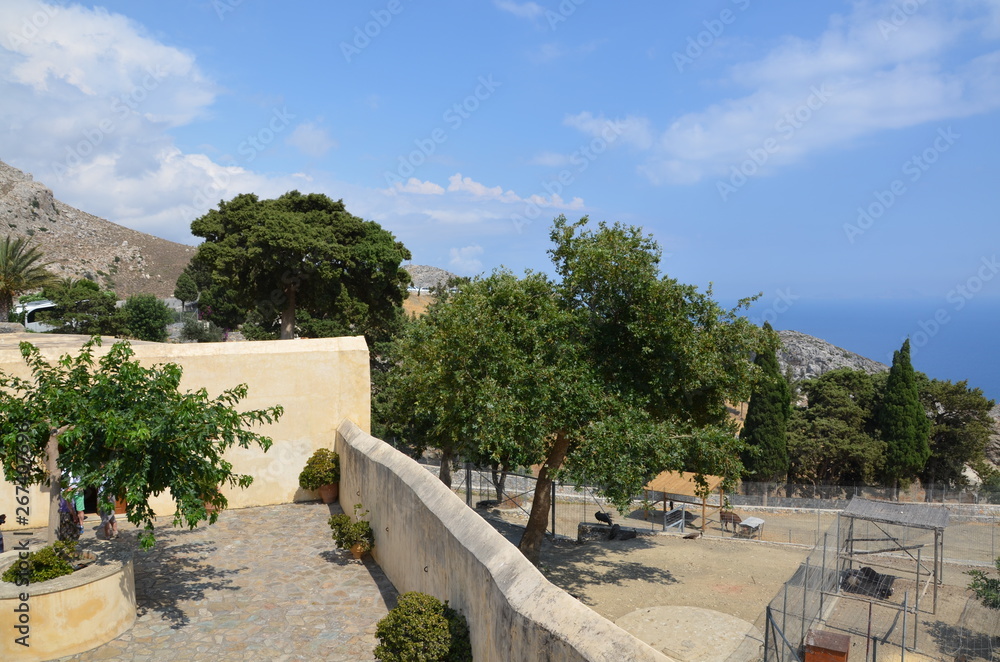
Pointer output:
x,y
356,536
322,472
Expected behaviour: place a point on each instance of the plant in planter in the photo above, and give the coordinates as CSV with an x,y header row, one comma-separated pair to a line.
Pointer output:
x,y
356,536
322,472
47,563
421,627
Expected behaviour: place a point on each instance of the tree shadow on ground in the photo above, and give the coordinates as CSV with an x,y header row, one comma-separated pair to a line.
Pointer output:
x,y
589,564
956,640
175,572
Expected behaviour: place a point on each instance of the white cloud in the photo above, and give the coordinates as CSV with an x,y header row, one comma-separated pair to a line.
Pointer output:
x,y
311,140
417,187
550,160
530,10
868,71
457,183
465,260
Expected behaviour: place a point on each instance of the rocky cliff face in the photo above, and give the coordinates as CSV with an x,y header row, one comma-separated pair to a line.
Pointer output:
x,y
80,245
808,357
425,277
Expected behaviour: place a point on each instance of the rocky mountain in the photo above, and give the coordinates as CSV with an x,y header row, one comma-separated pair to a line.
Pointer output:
x,y
808,357
425,277
81,245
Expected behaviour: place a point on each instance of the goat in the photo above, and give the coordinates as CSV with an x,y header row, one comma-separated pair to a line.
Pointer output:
x,y
729,517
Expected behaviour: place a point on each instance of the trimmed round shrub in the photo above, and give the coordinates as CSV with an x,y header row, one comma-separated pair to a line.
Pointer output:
x,y
322,468
421,628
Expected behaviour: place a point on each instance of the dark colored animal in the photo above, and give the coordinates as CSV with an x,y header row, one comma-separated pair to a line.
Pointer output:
x,y
729,517
692,536
867,582
618,533
603,518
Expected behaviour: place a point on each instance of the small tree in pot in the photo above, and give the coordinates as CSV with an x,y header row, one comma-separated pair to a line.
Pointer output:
x,y
355,536
322,472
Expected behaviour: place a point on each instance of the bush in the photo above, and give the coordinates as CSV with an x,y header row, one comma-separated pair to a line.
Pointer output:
x,y
347,532
421,628
200,331
47,563
322,468
145,317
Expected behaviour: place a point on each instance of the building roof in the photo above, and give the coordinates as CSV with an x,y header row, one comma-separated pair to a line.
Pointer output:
x,y
683,483
918,515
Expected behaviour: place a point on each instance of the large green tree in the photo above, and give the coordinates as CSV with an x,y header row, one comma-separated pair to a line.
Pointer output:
x,y
300,255
902,422
82,307
612,374
145,317
832,440
961,426
114,423
765,429
21,269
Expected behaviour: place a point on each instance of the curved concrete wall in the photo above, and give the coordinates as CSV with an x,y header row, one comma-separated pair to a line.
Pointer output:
x,y
426,539
70,614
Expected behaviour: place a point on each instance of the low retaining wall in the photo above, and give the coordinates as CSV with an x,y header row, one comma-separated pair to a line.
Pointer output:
x,y
67,615
427,539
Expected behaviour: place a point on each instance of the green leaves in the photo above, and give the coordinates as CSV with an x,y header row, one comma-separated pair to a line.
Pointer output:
x,y
129,429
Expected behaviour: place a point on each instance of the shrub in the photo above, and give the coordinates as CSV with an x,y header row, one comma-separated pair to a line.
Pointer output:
x,y
145,317
200,331
421,628
47,563
323,468
347,532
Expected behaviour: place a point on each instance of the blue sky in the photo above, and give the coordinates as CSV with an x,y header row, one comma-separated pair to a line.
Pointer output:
x,y
809,151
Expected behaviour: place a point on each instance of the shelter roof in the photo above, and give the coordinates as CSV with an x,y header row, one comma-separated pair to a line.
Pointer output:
x,y
681,482
918,515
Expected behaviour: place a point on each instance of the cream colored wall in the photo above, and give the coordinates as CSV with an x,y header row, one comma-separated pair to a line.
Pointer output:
x,y
319,382
427,539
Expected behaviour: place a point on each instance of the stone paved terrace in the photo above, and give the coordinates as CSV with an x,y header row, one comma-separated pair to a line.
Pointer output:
x,y
261,584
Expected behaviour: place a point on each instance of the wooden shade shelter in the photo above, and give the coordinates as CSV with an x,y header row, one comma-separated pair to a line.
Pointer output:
x,y
681,486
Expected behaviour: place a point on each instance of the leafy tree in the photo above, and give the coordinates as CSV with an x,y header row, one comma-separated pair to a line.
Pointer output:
x,y
185,289
21,269
115,423
611,375
145,317
986,588
833,441
902,422
961,426
82,307
764,431
301,254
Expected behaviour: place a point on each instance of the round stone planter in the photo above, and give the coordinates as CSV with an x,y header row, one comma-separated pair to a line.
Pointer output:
x,y
70,614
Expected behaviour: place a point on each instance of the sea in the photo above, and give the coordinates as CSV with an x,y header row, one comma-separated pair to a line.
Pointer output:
x,y
952,339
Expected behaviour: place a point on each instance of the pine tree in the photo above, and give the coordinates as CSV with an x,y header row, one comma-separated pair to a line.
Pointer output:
x,y
903,423
764,431
186,289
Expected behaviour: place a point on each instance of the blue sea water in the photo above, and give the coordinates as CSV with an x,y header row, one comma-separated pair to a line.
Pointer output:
x,y
949,339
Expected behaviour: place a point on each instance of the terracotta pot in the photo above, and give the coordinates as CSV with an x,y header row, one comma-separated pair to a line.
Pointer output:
x,y
357,550
329,493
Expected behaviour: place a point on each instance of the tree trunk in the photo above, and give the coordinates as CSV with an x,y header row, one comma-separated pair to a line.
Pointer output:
x,y
531,541
499,480
288,315
445,472
6,304
52,466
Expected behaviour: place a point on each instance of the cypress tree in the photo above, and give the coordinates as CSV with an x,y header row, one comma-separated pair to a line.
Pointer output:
x,y
902,422
766,422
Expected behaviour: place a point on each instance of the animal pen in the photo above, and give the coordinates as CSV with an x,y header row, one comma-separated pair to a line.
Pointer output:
x,y
881,583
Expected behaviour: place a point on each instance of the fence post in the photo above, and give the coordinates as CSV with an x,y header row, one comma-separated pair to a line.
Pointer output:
x,y
805,595
468,484
902,640
767,631
553,508
822,579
